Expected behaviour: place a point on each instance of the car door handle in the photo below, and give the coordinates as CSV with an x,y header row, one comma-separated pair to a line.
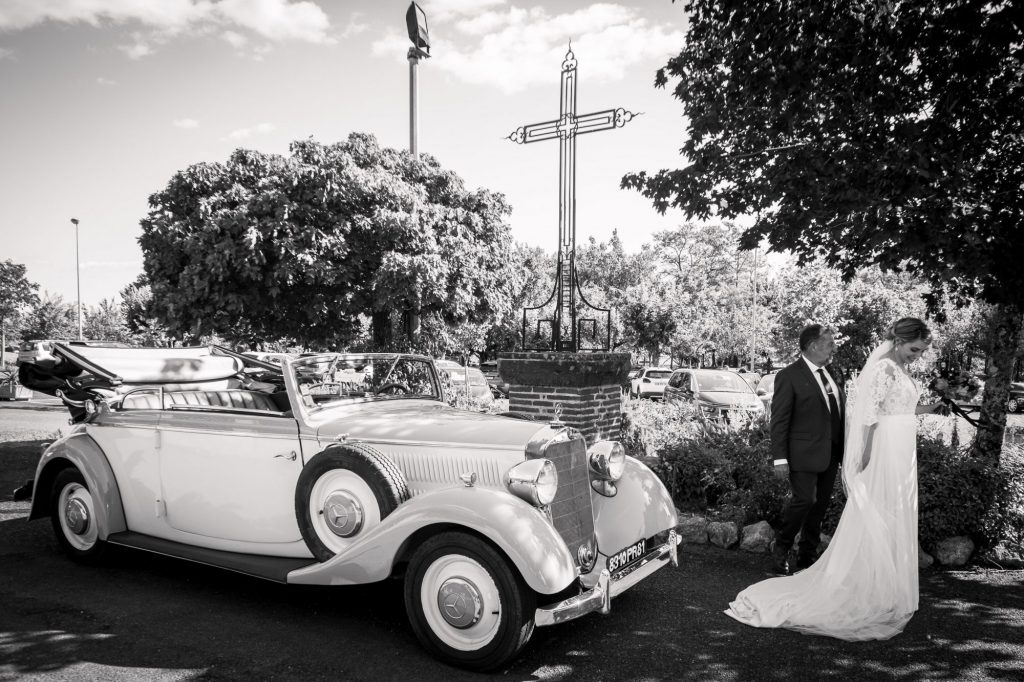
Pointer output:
x,y
289,456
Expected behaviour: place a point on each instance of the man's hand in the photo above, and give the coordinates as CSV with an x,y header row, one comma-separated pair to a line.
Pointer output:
x,y
782,470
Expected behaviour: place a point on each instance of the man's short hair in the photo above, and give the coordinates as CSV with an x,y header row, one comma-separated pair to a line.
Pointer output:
x,y
812,333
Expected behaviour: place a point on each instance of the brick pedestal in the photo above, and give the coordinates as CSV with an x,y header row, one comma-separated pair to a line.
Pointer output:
x,y
588,386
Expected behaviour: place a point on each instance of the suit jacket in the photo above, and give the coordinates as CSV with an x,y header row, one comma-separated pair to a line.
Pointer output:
x,y
801,425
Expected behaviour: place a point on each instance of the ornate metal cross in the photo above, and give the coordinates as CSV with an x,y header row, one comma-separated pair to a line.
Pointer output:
x,y
556,324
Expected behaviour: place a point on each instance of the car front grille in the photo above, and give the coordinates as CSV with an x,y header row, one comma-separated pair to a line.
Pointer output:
x,y
572,511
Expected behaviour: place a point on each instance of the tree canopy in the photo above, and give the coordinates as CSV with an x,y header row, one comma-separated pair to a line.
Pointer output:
x,y
303,246
17,294
864,133
870,133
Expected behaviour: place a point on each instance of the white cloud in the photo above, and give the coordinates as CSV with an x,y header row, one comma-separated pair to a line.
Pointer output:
x,y
515,48
354,26
274,20
442,10
104,82
136,50
187,123
234,39
6,54
242,133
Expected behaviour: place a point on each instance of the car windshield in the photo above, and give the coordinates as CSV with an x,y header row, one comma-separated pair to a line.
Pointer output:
x,y
331,379
767,383
724,382
658,373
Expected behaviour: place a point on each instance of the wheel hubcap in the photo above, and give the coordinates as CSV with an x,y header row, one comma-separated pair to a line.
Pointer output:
x,y
76,516
460,603
343,513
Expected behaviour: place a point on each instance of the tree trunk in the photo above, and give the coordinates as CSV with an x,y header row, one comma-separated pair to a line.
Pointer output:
x,y
1005,336
382,334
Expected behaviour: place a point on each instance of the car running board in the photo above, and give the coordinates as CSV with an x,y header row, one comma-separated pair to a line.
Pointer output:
x,y
266,567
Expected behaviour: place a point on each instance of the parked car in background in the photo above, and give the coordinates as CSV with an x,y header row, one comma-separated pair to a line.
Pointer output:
x,y
627,383
468,381
765,390
718,396
649,383
348,469
1016,400
35,350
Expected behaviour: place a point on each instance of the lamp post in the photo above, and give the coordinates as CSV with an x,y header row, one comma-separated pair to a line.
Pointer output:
x,y
416,23
78,279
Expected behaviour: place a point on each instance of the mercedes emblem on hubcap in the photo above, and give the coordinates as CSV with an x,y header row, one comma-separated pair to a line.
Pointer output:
x,y
460,603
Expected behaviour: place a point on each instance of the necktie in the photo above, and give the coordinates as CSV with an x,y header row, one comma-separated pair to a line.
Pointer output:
x,y
833,406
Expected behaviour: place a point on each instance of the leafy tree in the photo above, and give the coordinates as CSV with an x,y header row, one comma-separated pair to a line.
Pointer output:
x,y
144,329
51,318
105,322
17,294
868,133
302,246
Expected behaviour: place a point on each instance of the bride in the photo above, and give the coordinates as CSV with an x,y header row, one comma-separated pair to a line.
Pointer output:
x,y
865,585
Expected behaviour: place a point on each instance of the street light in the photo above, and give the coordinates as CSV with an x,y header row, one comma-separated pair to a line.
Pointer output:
x,y
78,279
416,23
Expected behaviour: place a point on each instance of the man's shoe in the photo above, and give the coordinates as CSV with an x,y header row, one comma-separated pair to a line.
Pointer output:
x,y
780,561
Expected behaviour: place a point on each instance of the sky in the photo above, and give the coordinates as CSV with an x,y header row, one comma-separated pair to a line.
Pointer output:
x,y
102,101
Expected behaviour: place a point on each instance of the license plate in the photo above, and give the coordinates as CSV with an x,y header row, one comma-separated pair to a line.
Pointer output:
x,y
625,557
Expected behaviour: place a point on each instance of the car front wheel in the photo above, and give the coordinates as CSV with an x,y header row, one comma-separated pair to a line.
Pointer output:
x,y
467,605
1013,405
73,515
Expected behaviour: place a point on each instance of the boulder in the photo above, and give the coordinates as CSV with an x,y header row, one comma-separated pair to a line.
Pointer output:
x,y
954,551
757,537
693,529
723,534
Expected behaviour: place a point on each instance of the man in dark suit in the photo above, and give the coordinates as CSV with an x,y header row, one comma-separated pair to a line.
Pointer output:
x,y
807,444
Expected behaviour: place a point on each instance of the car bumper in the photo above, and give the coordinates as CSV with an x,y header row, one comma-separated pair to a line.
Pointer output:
x,y
599,598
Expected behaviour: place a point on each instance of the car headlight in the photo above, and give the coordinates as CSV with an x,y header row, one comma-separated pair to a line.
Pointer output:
x,y
535,481
607,459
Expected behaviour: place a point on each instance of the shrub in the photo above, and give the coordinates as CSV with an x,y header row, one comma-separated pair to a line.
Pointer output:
x,y
728,475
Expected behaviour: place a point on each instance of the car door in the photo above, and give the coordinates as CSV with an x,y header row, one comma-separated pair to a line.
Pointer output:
x,y
674,388
230,475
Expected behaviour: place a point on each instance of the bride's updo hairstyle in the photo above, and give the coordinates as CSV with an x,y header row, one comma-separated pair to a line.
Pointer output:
x,y
908,329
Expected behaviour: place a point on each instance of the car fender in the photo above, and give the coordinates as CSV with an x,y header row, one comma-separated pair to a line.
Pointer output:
x,y
520,530
81,451
641,507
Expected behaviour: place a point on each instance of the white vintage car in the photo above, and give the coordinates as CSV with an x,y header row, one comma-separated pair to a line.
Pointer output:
x,y
340,469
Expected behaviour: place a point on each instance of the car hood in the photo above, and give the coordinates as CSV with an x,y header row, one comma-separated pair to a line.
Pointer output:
x,y
422,421
728,399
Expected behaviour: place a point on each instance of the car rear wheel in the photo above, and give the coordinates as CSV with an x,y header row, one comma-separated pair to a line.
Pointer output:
x,y
342,493
467,604
73,515
1013,405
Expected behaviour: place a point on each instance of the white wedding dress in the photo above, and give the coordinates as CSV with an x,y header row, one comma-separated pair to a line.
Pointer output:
x,y
865,585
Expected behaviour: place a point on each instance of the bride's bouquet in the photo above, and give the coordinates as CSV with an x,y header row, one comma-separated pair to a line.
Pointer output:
x,y
954,386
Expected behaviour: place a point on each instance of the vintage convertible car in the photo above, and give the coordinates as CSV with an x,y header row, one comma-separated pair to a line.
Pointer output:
x,y
339,469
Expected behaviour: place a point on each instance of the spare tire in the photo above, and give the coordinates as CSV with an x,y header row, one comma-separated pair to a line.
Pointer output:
x,y
342,493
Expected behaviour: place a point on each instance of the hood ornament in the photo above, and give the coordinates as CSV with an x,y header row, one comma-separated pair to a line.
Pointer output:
x,y
557,421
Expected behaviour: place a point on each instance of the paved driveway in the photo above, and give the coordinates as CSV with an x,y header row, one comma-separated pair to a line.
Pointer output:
x,y
146,617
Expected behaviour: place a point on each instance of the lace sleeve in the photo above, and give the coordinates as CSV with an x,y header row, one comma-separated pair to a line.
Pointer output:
x,y
881,383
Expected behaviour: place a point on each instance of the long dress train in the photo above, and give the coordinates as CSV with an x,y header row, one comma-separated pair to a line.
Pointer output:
x,y
865,585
